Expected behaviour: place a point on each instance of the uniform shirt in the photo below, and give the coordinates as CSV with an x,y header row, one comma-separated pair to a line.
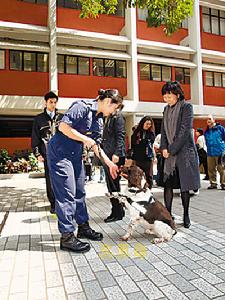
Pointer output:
x,y
80,116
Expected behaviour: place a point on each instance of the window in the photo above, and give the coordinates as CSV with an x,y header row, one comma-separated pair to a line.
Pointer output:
x,y
16,59
142,14
213,21
16,126
98,67
121,69
83,66
145,71
42,62
182,75
215,79
36,1
155,72
61,63
2,59
73,64
209,78
28,61
109,67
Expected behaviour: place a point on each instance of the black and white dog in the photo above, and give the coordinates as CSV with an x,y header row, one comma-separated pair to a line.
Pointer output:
x,y
144,209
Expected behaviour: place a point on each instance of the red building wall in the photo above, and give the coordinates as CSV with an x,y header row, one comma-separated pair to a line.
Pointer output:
x,y
23,12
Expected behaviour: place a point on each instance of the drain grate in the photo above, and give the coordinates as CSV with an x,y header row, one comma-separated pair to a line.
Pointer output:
x,y
4,221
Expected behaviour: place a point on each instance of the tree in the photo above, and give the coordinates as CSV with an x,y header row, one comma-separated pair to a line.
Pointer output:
x,y
169,13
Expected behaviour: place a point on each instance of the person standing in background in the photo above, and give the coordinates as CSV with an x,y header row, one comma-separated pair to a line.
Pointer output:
x,y
215,142
44,127
142,147
202,151
113,144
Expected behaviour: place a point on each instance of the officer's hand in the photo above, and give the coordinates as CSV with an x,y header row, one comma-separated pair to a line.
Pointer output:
x,y
113,169
115,159
40,158
165,153
89,142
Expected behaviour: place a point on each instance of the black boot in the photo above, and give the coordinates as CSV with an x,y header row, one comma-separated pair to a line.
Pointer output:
x,y
168,199
117,211
85,231
185,197
69,242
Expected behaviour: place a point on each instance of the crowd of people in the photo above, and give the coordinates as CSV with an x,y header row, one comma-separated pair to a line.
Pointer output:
x,y
93,132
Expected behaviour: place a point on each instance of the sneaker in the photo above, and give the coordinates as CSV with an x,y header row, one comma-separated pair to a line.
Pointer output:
x,y
212,187
223,187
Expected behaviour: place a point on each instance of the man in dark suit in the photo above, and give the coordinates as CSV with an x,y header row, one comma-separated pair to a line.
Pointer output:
x,y
44,127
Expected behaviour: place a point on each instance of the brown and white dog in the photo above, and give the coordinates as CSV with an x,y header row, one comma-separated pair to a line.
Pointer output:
x,y
144,209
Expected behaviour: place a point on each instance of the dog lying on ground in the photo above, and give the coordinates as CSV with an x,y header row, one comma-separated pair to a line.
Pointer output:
x,y
144,208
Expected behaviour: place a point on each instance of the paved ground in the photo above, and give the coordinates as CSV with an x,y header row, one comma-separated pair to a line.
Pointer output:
x,y
192,266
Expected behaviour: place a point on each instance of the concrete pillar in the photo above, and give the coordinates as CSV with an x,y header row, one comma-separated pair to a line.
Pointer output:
x,y
195,43
132,70
53,76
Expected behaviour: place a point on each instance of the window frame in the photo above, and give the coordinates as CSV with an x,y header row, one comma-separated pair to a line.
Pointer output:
x,y
211,16
161,71
115,69
184,75
36,62
4,59
213,78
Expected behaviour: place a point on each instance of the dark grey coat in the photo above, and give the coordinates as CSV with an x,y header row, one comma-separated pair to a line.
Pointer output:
x,y
184,147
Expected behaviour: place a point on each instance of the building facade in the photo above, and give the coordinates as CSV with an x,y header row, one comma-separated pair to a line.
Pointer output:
x,y
45,45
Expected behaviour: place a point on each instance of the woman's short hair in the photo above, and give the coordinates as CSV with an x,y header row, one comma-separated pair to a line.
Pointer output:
x,y
113,94
200,130
173,87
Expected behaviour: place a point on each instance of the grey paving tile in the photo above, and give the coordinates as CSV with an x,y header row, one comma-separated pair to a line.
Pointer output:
x,y
212,250
85,274
72,285
56,293
143,264
137,295
210,266
185,272
114,293
77,296
156,277
221,287
172,293
105,279
168,259
79,261
53,279
115,269
124,261
182,284
97,265
163,268
206,288
196,295
149,289
93,290
189,263
126,284
211,278
67,269
135,273
212,258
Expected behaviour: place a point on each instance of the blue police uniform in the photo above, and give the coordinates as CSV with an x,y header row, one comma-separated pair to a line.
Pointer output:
x,y
66,165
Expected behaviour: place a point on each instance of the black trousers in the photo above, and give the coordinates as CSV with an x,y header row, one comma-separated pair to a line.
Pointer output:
x,y
147,167
49,190
203,160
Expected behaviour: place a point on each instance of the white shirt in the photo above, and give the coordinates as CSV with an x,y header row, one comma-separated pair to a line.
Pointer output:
x,y
201,142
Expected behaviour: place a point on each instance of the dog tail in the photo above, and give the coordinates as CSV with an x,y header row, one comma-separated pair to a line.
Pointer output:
x,y
174,232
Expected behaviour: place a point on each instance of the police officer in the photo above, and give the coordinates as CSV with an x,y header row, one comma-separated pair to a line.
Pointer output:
x,y
44,127
81,125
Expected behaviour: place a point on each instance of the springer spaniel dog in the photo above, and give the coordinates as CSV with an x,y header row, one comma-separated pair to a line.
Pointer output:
x,y
144,208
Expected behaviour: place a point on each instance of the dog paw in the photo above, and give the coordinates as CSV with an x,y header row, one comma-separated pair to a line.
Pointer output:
x,y
124,237
148,231
158,240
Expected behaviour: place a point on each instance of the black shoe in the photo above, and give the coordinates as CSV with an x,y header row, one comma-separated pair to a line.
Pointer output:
x,y
52,210
113,219
69,242
212,187
206,178
85,231
222,187
187,222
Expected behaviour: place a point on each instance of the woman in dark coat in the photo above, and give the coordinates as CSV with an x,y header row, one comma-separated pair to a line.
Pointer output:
x,y
113,144
178,148
142,146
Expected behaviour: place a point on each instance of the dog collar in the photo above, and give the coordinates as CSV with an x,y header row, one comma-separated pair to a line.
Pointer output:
x,y
135,191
